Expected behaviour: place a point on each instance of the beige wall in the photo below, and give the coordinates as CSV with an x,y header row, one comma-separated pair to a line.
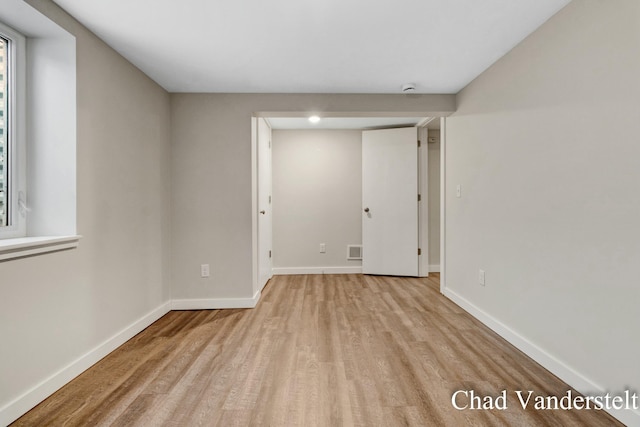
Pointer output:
x,y
434,200
542,145
212,177
56,307
545,146
317,197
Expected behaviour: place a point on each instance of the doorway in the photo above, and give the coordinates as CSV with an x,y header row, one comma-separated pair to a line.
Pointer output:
x,y
317,248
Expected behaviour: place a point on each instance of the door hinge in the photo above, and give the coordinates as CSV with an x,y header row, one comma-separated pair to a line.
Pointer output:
x,y
269,199
419,251
269,254
419,197
269,143
418,143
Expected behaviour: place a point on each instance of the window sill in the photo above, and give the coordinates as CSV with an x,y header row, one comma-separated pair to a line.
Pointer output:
x,y
28,246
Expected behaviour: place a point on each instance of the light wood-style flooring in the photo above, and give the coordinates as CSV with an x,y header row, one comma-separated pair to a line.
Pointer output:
x,y
321,350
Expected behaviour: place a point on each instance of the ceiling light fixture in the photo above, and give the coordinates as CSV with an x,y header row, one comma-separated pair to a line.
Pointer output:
x,y
314,119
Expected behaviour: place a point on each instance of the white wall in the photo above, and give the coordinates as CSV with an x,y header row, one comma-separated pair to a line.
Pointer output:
x,y
317,197
545,146
56,308
434,200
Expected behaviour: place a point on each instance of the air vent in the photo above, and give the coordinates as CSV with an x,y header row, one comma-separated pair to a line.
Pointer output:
x,y
354,252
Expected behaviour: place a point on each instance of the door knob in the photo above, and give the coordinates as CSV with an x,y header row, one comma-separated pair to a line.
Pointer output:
x,y
366,210
263,212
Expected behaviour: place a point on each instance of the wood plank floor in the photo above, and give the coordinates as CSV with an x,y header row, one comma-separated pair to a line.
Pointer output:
x,y
322,350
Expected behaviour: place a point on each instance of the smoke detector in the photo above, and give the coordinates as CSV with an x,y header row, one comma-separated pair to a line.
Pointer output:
x,y
408,87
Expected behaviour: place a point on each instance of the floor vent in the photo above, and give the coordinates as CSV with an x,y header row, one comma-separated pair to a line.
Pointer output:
x,y
354,252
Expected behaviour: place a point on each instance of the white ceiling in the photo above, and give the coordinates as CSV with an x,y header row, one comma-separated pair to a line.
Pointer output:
x,y
312,46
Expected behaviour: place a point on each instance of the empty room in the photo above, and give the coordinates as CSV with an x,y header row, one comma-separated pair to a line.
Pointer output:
x,y
319,213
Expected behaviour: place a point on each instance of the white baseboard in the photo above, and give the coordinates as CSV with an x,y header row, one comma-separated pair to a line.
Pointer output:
x,y
215,303
283,271
555,366
435,268
22,404
19,406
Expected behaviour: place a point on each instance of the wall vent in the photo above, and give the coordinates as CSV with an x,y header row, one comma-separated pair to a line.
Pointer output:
x,y
354,252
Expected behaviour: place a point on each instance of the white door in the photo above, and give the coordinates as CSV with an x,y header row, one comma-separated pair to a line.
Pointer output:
x,y
264,203
390,202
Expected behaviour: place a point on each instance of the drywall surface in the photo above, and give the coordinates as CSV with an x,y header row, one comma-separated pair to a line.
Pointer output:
x,y
545,147
56,307
317,197
213,185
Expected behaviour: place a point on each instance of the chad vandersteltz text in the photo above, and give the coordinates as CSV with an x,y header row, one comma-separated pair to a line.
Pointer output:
x,y
469,399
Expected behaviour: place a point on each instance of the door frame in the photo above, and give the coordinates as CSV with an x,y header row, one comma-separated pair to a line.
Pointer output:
x,y
443,204
255,207
264,247
423,204
254,175
255,272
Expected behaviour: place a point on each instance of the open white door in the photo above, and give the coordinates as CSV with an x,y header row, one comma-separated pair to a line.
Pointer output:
x,y
264,203
390,202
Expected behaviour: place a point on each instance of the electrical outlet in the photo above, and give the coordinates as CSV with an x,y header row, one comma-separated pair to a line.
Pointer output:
x,y
323,248
481,277
204,270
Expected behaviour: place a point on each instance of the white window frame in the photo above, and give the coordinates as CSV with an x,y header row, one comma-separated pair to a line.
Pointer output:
x,y
16,134
47,114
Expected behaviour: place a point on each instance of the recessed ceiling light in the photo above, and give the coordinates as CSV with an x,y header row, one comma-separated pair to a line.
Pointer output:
x,y
314,119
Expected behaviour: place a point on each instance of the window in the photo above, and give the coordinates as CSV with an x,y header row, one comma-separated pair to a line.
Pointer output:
x,y
4,212
12,191
39,133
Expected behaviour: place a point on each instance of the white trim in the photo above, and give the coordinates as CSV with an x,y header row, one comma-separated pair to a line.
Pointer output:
x,y
254,204
28,246
15,120
424,122
19,406
423,204
264,223
434,268
285,271
443,204
50,149
215,303
558,368
629,417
